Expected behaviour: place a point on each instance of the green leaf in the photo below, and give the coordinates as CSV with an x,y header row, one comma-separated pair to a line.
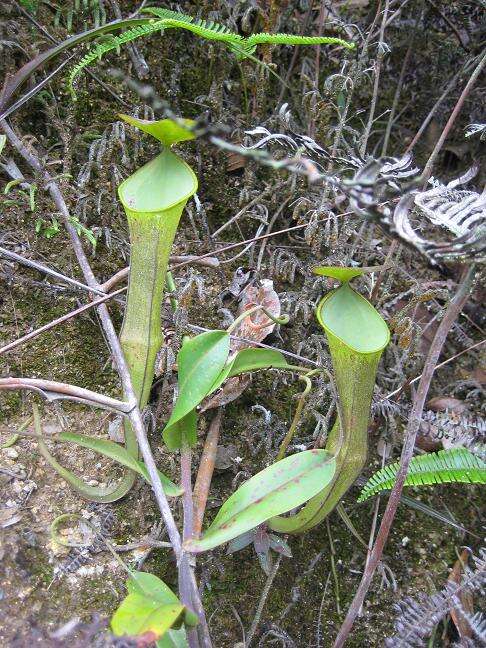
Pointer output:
x,y
153,587
253,359
342,274
200,361
250,360
138,614
119,454
167,131
352,320
273,491
182,431
444,467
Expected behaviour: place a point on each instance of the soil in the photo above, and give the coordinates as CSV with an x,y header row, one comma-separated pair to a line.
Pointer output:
x,y
41,585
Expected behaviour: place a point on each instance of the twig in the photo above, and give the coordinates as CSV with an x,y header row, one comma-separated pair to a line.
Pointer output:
x,y
453,310
441,364
262,601
53,390
435,107
186,563
139,63
398,90
209,262
263,194
59,320
46,270
379,61
457,109
206,469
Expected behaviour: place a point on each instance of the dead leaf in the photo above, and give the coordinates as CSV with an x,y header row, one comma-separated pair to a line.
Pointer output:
x,y
231,390
465,597
256,326
442,403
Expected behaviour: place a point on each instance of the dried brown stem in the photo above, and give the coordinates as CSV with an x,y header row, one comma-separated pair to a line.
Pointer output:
x,y
59,320
453,310
205,472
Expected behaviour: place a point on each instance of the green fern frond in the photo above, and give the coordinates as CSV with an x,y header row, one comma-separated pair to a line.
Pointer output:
x,y
114,42
289,39
209,30
443,467
162,13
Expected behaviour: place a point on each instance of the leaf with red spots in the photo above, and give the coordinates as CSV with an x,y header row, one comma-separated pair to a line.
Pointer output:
x,y
273,491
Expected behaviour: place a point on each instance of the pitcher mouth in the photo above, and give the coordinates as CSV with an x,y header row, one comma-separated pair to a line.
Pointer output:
x,y
358,326
159,185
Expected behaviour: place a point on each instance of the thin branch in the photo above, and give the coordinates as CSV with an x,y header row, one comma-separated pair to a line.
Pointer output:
x,y
59,320
379,61
46,270
457,109
52,390
453,310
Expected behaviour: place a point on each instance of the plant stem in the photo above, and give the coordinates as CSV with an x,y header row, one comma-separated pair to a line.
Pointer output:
x,y
455,307
295,421
119,359
186,563
205,472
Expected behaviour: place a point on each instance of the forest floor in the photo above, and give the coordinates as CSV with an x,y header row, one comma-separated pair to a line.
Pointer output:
x,y
44,584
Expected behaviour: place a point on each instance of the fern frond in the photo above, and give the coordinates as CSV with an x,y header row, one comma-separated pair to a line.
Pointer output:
x,y
209,30
114,42
291,39
443,467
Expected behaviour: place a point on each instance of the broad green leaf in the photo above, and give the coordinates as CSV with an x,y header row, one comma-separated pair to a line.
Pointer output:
x,y
199,362
166,131
273,491
138,614
342,274
351,318
119,454
253,359
183,430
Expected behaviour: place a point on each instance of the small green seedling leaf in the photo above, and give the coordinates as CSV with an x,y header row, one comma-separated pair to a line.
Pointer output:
x,y
119,454
139,614
153,587
273,491
200,361
167,131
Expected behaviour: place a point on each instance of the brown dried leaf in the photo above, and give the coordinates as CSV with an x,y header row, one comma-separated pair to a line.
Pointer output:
x,y
256,326
442,403
231,390
465,597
